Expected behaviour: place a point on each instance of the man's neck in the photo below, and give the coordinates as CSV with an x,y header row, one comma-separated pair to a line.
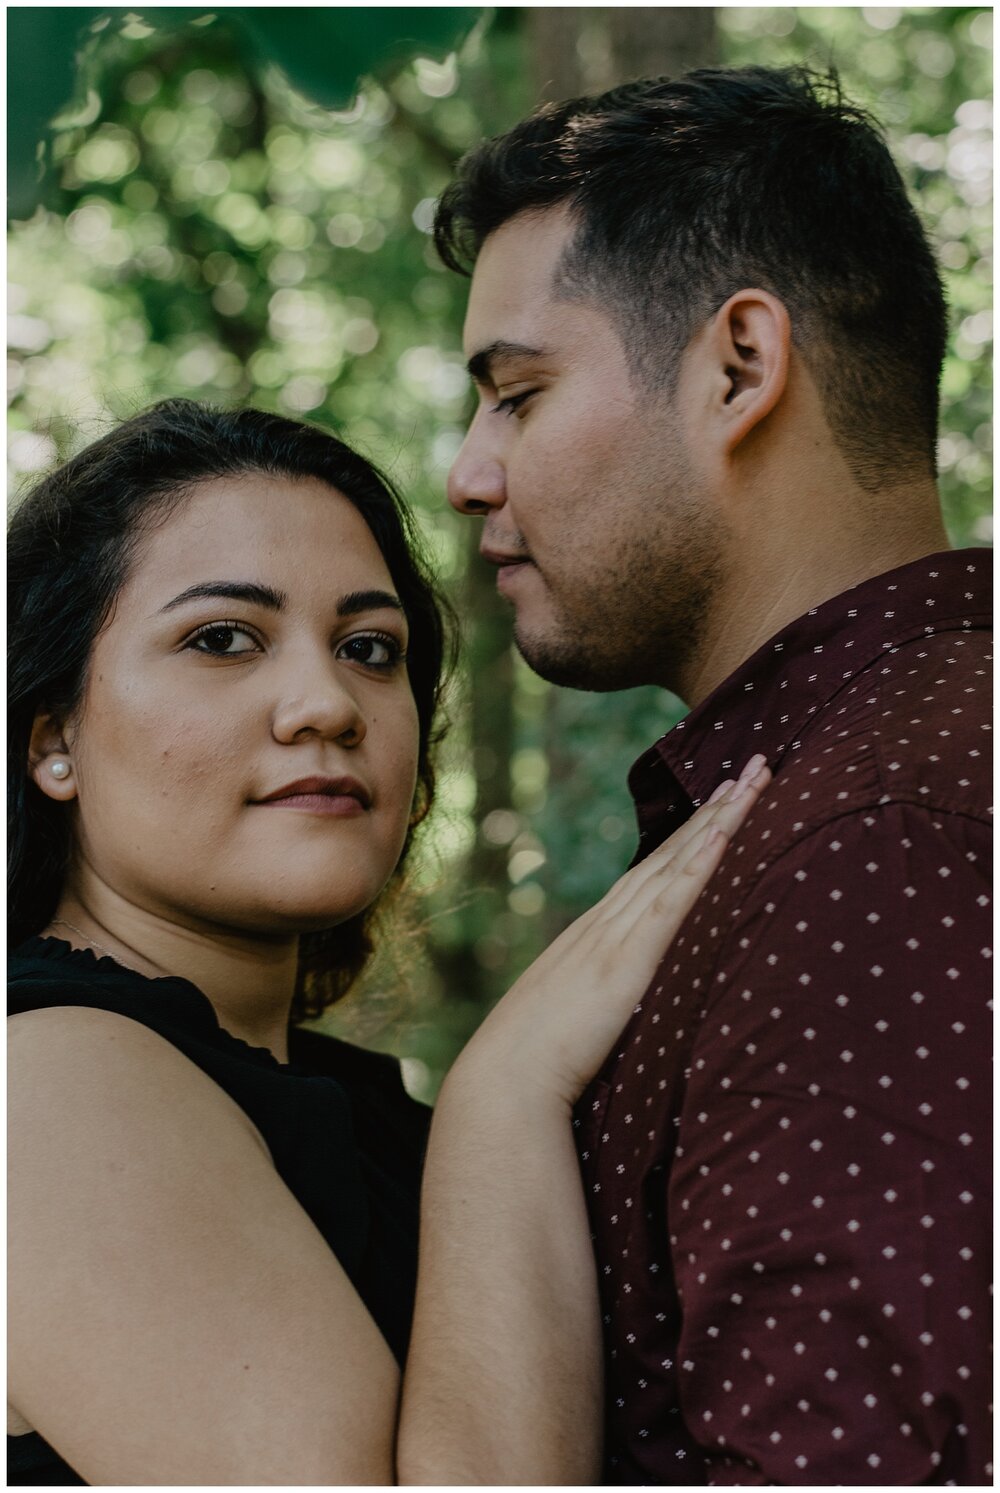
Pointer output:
x,y
761,598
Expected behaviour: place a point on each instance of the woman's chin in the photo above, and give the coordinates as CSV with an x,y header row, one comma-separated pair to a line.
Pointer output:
x,y
312,914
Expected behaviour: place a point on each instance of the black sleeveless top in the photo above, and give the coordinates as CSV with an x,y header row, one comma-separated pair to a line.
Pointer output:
x,y
344,1135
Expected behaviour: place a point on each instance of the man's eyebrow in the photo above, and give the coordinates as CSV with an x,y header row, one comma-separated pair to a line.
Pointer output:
x,y
367,601
248,591
482,364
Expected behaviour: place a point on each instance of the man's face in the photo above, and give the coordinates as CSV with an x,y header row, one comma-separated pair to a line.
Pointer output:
x,y
606,544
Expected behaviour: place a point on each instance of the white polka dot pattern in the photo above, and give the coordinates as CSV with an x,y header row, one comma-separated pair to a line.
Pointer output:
x,y
787,1155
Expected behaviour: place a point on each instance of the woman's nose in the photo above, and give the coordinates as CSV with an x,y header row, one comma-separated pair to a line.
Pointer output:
x,y
325,708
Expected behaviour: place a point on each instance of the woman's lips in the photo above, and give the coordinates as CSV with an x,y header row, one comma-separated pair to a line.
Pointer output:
x,y
342,797
339,805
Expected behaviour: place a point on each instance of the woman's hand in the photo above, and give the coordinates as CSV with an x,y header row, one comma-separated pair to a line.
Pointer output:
x,y
504,1381
555,1026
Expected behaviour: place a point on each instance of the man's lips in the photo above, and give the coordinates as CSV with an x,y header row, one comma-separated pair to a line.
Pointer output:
x,y
343,797
504,558
511,564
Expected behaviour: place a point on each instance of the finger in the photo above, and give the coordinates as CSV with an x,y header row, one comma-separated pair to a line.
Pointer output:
x,y
753,777
750,774
729,813
704,860
753,766
649,903
750,769
727,808
647,906
631,897
663,908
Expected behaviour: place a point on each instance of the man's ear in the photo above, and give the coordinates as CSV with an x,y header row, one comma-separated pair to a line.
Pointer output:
x,y
50,762
749,345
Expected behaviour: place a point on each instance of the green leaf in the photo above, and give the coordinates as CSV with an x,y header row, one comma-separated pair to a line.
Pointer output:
x,y
42,47
323,52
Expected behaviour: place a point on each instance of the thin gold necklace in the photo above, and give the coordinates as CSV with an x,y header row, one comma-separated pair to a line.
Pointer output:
x,y
67,924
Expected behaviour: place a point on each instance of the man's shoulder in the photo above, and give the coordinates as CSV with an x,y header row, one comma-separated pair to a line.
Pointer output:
x,y
912,727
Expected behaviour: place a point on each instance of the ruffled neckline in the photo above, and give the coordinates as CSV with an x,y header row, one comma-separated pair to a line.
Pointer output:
x,y
46,946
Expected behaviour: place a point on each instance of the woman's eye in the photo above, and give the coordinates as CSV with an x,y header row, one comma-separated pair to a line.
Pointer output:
x,y
224,639
374,650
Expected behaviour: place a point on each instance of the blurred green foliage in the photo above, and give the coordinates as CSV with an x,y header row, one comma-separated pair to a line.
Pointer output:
x,y
926,74
212,231
322,51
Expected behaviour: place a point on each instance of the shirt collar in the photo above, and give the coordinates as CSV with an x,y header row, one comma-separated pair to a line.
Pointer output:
x,y
767,702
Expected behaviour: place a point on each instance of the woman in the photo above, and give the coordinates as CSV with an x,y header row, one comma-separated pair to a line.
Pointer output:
x,y
225,666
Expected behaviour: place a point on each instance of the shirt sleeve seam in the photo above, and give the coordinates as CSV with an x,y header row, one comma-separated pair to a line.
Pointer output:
x,y
728,941
856,810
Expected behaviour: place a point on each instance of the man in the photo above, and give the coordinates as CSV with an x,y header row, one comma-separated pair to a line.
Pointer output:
x,y
707,330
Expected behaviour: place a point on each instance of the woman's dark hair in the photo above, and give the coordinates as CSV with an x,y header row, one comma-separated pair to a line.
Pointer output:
x,y
689,189
72,543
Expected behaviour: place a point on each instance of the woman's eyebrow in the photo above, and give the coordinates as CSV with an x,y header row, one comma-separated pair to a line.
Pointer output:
x,y
276,601
248,591
367,601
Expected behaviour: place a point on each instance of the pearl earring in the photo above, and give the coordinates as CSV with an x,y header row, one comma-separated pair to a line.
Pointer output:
x,y
59,769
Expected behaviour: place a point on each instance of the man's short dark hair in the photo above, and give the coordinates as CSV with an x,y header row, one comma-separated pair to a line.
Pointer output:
x,y
691,189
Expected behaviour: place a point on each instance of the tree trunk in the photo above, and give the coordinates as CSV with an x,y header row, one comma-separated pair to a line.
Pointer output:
x,y
468,976
666,39
586,49
575,51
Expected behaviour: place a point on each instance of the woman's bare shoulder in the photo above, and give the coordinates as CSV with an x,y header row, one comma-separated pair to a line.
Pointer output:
x,y
85,1065
164,1277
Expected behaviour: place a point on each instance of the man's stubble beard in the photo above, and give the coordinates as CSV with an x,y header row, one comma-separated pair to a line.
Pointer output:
x,y
643,619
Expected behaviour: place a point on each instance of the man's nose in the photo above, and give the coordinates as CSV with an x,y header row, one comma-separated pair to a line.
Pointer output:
x,y
477,481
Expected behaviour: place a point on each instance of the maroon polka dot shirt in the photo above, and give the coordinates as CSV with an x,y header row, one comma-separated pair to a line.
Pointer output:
x,y
787,1156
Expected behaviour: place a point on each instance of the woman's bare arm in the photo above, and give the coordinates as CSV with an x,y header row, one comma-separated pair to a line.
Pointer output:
x,y
175,1317
503,1383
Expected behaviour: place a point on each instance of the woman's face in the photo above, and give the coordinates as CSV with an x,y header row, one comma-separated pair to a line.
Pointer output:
x,y
245,754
